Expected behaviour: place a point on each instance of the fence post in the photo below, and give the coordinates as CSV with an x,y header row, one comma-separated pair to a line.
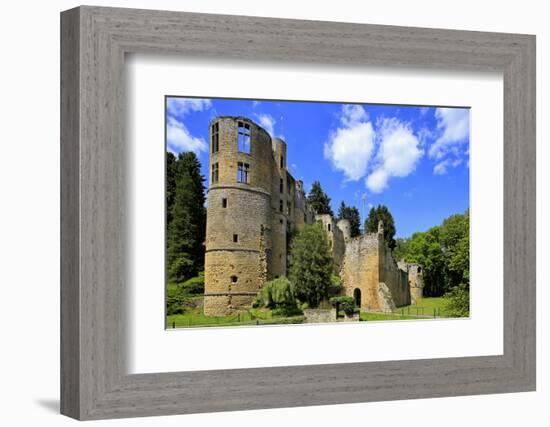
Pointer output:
x,y
173,324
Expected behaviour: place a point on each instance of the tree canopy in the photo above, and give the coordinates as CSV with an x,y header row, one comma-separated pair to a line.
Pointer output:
x,y
319,200
381,213
186,216
443,251
311,264
351,213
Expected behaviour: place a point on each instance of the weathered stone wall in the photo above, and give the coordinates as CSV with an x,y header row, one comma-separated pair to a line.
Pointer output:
x,y
279,255
416,282
317,315
395,279
259,159
335,238
369,268
345,226
360,269
238,223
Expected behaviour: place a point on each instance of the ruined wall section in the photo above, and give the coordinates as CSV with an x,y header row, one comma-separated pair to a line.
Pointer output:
x,y
345,226
396,280
416,282
360,270
336,239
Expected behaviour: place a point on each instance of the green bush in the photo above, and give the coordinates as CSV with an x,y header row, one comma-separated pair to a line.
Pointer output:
x,y
345,303
335,286
195,285
279,296
175,298
457,301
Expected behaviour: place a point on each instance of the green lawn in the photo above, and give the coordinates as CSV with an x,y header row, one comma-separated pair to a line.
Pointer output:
x,y
195,318
424,309
370,316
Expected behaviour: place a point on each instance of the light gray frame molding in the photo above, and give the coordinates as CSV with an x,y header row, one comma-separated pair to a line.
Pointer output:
x,y
94,41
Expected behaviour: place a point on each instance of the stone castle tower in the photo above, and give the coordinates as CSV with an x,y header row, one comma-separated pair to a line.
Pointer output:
x,y
254,204
254,207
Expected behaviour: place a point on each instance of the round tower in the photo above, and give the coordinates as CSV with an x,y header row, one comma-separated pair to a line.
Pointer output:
x,y
238,220
281,208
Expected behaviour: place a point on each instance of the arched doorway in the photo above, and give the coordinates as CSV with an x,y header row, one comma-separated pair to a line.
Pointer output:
x,y
357,297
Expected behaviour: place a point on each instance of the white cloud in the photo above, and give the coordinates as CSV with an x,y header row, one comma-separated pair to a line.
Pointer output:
x,y
350,147
255,104
398,153
454,127
179,139
181,106
442,167
267,122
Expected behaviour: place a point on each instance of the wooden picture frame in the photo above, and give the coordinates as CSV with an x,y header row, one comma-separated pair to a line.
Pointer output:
x,y
94,41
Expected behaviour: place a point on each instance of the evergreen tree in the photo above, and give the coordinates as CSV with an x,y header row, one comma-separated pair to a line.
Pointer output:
x,y
170,186
186,231
381,213
351,213
311,264
319,200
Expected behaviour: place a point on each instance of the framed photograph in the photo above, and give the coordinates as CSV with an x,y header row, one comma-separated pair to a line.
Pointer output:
x,y
261,213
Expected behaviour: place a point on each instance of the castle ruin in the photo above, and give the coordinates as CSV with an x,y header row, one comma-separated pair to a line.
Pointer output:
x,y
254,207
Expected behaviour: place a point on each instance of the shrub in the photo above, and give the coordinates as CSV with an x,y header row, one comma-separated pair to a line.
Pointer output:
x,y
335,286
278,295
457,301
175,298
345,303
195,285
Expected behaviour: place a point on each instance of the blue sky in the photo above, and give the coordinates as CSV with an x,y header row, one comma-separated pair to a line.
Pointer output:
x,y
415,160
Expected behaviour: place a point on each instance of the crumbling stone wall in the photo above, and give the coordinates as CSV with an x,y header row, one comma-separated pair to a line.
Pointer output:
x,y
360,270
395,279
370,269
416,282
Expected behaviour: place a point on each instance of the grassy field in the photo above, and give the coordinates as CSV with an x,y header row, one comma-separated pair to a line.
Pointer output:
x,y
424,309
195,318
370,316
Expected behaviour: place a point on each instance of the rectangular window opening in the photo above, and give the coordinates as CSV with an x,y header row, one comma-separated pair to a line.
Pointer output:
x,y
280,205
243,170
282,160
224,203
215,172
281,185
235,238
243,137
215,137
